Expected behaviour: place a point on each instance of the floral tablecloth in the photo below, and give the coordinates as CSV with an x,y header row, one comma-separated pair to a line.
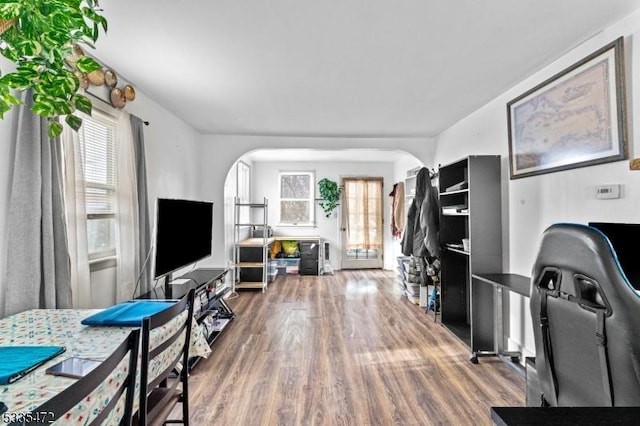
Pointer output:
x,y
62,327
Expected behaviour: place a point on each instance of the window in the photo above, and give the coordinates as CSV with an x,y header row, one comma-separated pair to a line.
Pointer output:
x,y
297,194
98,158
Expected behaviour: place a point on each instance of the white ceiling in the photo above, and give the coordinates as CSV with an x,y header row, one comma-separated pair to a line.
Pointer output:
x,y
361,68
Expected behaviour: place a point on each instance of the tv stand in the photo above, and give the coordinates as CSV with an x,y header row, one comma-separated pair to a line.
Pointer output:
x,y
210,310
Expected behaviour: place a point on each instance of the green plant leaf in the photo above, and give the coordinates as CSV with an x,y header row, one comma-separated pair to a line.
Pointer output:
x,y
87,64
7,100
330,193
38,44
54,129
10,9
83,104
73,121
44,108
15,81
29,48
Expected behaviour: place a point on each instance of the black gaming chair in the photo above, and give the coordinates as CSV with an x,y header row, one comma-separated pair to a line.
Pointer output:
x,y
586,320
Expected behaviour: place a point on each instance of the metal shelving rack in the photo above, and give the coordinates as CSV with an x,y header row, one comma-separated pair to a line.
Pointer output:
x,y
251,255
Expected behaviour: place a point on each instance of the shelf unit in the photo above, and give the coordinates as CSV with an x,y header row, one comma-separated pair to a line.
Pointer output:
x,y
470,209
211,312
251,255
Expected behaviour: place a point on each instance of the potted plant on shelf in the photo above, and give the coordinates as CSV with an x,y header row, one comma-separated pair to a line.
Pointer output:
x,y
42,37
330,193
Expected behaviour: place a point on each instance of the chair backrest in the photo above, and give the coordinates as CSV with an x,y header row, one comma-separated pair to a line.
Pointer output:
x,y
586,321
163,354
60,404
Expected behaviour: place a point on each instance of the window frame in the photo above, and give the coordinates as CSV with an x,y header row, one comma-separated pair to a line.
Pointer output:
x,y
311,199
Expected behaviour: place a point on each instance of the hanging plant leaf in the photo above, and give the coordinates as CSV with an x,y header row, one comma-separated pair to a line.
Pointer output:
x,y
330,192
87,64
82,103
54,129
73,121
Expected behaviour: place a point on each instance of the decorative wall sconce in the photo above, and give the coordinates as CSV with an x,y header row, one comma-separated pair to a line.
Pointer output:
x,y
118,96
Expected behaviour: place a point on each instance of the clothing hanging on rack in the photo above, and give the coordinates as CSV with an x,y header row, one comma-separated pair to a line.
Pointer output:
x,y
397,210
421,237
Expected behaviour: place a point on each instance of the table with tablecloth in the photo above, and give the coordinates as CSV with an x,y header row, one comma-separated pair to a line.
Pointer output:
x,y
62,327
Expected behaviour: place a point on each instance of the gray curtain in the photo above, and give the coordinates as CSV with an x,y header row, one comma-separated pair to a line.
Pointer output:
x,y
38,264
144,254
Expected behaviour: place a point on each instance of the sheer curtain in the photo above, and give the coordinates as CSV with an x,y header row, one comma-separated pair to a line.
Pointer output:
x,y
76,216
363,213
127,227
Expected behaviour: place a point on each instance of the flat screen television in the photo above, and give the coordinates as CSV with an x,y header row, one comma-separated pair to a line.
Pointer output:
x,y
184,229
624,238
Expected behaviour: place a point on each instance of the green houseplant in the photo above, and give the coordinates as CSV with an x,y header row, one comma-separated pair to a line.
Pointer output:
x,y
330,193
41,37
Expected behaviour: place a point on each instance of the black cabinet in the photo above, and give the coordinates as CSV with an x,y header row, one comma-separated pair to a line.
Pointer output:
x,y
309,257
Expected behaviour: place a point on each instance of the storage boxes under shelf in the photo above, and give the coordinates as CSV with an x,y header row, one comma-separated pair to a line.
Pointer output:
x,y
409,278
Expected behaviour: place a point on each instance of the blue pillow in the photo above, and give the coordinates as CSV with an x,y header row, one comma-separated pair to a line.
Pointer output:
x,y
128,314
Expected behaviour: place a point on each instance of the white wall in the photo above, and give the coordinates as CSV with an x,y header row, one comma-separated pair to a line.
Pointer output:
x,y
531,204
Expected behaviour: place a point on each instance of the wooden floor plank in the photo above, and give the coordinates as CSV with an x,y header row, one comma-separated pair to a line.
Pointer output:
x,y
347,349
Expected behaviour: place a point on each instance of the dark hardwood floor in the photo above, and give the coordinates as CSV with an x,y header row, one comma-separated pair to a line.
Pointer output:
x,y
346,349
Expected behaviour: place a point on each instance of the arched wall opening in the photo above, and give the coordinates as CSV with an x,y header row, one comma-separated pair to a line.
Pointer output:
x,y
264,164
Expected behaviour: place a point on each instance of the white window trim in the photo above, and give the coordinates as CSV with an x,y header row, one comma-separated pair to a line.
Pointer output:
x,y
312,199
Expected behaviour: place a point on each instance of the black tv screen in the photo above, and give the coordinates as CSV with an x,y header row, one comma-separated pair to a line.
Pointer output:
x,y
183,234
624,238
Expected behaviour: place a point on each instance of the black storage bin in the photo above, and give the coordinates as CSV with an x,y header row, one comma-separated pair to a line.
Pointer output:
x,y
309,267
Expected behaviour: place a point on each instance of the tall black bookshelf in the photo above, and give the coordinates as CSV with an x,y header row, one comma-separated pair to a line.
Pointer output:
x,y
471,238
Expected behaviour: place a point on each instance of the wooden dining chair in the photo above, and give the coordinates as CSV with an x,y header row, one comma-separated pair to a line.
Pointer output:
x,y
62,403
161,391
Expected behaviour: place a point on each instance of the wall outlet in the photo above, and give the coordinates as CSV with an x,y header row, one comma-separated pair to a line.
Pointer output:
x,y
608,192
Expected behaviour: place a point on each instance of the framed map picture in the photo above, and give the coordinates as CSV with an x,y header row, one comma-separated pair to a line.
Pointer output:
x,y
574,119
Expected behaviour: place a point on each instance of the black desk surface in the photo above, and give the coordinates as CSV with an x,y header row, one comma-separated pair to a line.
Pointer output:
x,y
197,278
204,275
583,416
512,282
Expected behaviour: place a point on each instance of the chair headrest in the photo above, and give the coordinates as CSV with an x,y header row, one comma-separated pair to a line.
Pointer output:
x,y
583,259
